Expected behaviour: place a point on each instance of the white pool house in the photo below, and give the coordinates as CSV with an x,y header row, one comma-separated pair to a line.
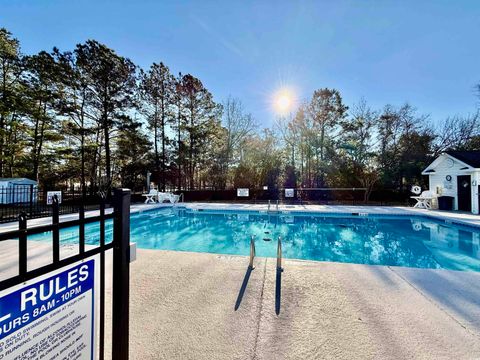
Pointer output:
x,y
456,174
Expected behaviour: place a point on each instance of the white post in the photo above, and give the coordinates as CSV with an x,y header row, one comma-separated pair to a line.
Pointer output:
x,y
148,181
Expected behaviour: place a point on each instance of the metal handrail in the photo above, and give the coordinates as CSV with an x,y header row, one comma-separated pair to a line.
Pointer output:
x,y
276,205
252,251
279,254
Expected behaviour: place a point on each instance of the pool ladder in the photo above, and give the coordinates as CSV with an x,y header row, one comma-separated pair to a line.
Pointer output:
x,y
279,253
252,251
269,205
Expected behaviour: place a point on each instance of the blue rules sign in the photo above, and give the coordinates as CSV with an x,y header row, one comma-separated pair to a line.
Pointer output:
x,y
50,317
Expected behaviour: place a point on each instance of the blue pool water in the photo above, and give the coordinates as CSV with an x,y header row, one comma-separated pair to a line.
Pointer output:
x,y
399,241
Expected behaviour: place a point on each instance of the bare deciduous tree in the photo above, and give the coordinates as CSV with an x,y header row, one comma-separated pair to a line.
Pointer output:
x,y
455,132
239,125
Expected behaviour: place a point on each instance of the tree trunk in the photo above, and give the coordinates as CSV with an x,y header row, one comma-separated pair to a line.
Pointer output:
x,y
190,161
162,124
155,130
40,145
107,150
95,162
190,152
82,155
320,182
12,139
37,141
2,119
179,160
34,147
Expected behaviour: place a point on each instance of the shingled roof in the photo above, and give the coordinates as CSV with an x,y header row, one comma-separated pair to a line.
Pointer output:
x,y
471,158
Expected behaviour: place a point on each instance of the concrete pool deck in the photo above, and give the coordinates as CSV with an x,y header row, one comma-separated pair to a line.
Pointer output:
x,y
183,307
190,306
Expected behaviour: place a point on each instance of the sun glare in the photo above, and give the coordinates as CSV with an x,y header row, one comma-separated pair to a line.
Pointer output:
x,y
283,101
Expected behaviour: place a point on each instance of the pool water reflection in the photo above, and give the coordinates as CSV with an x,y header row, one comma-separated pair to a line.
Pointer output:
x,y
397,241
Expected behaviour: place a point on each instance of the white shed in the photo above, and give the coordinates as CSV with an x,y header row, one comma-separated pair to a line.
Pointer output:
x,y
456,174
17,190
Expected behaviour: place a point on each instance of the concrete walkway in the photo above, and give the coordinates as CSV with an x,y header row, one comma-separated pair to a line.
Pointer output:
x,y
187,306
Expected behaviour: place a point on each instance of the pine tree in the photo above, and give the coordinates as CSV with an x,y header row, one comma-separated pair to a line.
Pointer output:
x,y
131,154
11,87
157,91
327,110
200,112
111,86
44,92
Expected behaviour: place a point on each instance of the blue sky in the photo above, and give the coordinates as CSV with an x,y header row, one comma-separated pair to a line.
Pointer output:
x,y
423,52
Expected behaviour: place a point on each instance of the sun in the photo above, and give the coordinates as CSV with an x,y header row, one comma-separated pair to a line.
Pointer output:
x,y
283,101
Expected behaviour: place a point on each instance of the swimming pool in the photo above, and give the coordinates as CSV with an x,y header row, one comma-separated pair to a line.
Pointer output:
x,y
415,241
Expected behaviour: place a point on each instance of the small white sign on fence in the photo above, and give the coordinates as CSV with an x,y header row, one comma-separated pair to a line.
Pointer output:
x,y
289,193
242,192
51,194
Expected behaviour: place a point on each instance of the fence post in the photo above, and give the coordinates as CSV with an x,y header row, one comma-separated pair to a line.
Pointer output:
x,y
102,279
31,201
22,244
81,229
55,229
121,274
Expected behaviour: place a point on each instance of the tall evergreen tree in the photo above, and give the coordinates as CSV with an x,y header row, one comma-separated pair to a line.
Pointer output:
x,y
44,92
111,88
157,89
11,70
327,111
79,120
201,112
131,154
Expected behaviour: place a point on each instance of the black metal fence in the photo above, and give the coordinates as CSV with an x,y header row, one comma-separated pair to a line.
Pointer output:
x,y
121,256
324,196
32,201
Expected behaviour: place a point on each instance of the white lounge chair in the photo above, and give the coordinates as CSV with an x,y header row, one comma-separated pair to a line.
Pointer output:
x,y
151,197
161,197
172,198
424,200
